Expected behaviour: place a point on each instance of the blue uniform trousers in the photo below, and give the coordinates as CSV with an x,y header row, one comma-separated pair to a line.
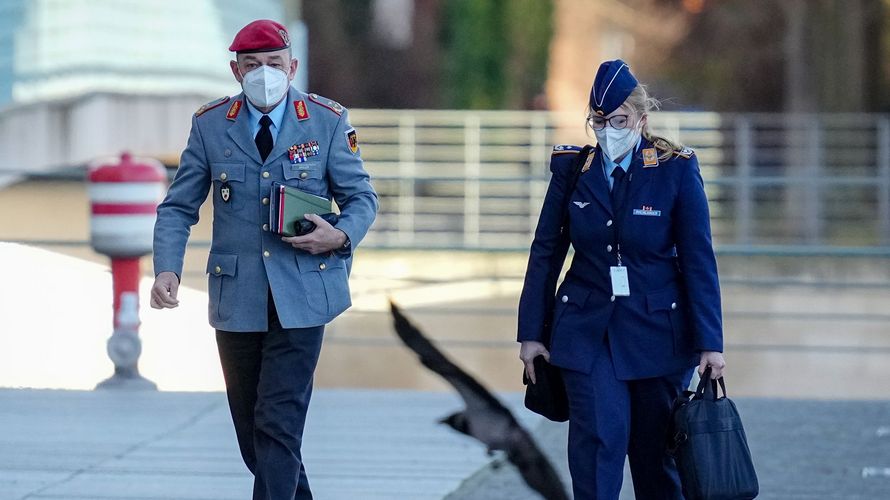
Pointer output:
x,y
269,383
610,419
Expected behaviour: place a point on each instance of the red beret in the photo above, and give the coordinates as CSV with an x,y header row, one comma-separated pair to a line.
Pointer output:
x,y
261,36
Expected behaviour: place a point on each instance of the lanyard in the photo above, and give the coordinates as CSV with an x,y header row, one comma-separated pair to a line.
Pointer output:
x,y
618,211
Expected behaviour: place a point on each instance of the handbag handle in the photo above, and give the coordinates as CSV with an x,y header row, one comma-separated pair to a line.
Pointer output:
x,y
706,390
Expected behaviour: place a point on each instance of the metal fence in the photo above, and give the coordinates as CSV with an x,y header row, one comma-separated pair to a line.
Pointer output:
x,y
799,184
476,180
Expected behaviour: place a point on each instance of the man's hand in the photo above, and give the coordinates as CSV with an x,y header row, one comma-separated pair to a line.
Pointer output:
x,y
323,239
528,352
715,361
163,292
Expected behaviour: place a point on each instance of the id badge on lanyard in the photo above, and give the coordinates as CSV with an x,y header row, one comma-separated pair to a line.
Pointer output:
x,y
618,274
620,283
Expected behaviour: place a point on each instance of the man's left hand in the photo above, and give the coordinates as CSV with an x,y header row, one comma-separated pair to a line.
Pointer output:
x,y
323,239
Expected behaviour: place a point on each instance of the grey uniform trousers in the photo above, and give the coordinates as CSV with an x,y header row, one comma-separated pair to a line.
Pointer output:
x,y
269,384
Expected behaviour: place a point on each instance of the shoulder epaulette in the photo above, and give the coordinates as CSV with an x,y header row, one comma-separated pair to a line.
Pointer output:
x,y
562,149
684,152
564,157
212,104
327,103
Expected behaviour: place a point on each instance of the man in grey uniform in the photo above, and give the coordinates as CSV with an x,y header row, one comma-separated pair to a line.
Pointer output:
x,y
270,296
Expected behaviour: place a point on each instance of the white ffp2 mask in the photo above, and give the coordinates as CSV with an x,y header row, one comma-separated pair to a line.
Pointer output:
x,y
265,86
616,143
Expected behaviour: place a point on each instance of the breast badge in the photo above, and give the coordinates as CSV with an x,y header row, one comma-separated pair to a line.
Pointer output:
x,y
299,153
225,192
647,211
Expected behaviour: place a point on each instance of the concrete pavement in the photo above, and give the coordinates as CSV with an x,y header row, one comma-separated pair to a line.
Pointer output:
x,y
802,450
162,446
379,444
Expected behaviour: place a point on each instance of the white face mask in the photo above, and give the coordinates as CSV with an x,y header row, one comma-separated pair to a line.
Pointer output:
x,y
616,143
265,86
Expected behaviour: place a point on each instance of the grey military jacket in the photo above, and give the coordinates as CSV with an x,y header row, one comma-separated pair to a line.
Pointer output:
x,y
247,260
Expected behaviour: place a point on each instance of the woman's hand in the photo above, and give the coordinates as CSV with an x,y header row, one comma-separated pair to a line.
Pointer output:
x,y
530,350
715,361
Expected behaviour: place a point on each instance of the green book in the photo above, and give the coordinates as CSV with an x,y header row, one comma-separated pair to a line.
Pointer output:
x,y
293,205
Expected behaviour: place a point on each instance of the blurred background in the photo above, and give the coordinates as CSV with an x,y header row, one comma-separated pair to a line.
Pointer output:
x,y
457,104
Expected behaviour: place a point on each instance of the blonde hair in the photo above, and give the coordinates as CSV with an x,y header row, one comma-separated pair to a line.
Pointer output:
x,y
641,103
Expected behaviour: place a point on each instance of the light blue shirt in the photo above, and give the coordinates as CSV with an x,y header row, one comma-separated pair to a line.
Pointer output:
x,y
609,166
277,115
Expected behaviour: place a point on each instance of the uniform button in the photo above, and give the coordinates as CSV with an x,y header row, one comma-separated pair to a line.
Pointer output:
x,y
228,153
608,248
564,299
223,176
673,305
265,175
303,175
612,299
266,253
322,266
265,227
217,269
265,201
609,223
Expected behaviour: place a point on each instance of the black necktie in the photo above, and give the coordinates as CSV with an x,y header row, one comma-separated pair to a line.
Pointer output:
x,y
264,137
617,186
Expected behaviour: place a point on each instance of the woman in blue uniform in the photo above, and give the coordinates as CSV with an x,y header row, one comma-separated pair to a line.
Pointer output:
x,y
639,307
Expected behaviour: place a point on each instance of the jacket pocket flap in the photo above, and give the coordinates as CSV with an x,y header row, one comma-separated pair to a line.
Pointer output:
x,y
220,264
227,172
308,263
662,300
569,293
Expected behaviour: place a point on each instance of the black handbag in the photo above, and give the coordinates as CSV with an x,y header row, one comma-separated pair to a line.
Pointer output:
x,y
547,396
709,444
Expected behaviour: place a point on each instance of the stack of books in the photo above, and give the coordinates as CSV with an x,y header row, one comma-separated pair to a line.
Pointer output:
x,y
289,205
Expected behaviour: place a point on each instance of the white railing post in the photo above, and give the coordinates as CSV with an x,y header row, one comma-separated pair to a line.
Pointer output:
x,y
407,178
537,159
743,156
672,128
812,213
472,172
883,152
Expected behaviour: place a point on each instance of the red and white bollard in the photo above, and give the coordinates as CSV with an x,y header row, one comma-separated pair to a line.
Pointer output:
x,y
124,198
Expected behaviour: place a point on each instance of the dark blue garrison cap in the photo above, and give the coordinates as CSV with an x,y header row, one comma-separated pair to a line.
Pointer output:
x,y
613,83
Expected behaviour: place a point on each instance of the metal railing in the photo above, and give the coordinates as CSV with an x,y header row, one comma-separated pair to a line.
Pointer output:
x,y
476,180
788,184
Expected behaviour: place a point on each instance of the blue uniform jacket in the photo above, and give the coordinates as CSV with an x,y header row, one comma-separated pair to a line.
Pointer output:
x,y
673,310
246,259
